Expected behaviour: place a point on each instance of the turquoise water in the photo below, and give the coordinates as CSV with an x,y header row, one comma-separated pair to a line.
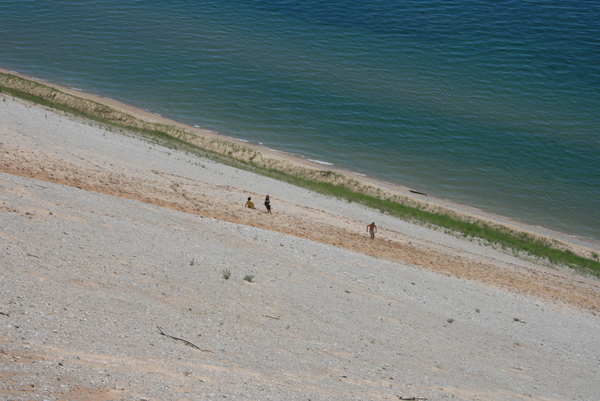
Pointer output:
x,y
491,104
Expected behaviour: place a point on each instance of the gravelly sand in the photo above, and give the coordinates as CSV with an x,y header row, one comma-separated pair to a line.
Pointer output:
x,y
105,238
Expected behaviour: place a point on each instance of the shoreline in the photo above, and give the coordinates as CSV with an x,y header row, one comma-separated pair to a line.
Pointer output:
x,y
578,242
41,144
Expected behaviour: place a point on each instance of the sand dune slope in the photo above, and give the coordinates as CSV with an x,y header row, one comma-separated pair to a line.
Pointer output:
x,y
112,287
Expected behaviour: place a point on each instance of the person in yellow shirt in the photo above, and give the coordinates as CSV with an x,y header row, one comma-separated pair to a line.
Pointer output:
x,y
249,203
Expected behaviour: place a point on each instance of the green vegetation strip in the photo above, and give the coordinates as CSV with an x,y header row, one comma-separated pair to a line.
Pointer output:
x,y
499,236
324,182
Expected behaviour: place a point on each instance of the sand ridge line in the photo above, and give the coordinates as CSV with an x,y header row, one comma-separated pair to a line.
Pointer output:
x,y
190,196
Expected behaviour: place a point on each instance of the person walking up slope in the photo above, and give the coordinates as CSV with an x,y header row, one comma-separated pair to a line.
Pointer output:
x,y
372,229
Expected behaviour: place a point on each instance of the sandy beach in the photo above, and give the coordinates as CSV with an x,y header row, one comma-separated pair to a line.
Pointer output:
x,y
113,286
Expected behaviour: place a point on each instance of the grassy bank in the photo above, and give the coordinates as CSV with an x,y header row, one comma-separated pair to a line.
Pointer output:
x,y
322,181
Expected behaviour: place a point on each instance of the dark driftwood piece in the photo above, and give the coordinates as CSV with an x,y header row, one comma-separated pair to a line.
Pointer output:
x,y
181,339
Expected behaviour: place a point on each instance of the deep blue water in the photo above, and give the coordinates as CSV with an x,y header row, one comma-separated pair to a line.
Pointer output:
x,y
494,104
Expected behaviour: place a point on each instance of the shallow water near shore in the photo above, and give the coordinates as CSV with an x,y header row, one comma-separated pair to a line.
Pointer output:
x,y
494,106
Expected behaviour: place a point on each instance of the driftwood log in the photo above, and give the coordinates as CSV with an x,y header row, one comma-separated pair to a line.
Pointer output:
x,y
186,342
